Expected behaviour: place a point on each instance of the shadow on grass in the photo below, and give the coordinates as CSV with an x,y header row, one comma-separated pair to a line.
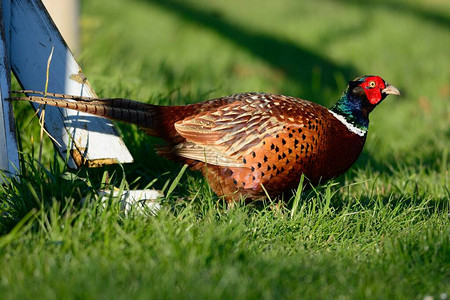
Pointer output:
x,y
403,7
310,71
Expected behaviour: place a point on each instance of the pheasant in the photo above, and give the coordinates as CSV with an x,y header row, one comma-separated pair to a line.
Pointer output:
x,y
250,144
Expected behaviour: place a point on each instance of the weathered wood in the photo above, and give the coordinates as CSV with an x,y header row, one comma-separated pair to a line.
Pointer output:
x,y
90,140
9,158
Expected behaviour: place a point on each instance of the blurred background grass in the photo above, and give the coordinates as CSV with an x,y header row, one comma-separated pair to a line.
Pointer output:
x,y
387,211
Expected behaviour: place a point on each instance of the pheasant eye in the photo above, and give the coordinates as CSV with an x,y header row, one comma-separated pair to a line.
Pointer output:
x,y
372,84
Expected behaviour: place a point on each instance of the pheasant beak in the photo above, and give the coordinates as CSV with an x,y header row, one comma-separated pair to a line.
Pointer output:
x,y
390,89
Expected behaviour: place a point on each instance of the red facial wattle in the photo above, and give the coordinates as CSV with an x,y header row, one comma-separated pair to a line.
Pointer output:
x,y
373,86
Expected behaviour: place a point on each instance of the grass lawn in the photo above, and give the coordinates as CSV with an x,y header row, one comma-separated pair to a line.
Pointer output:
x,y
380,231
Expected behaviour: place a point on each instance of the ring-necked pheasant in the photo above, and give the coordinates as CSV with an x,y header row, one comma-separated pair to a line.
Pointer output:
x,y
244,141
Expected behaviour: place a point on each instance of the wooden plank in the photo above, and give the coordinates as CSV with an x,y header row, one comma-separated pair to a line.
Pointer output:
x,y
9,157
91,140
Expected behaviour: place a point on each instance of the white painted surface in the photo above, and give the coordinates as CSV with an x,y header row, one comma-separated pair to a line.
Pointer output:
x,y
33,35
139,201
66,14
9,158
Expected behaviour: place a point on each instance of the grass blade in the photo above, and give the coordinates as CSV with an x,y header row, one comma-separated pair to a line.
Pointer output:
x,y
176,181
298,196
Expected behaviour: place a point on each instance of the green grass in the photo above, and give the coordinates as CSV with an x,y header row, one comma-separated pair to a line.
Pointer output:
x,y
380,231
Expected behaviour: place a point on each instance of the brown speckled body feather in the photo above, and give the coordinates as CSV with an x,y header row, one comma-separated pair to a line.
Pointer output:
x,y
263,139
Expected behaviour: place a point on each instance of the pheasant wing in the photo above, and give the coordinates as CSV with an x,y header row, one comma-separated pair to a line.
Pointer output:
x,y
223,136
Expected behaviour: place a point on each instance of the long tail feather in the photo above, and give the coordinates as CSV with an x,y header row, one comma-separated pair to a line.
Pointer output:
x,y
121,109
54,95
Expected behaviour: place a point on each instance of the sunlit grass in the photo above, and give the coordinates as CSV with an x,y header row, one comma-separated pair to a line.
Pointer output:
x,y
380,231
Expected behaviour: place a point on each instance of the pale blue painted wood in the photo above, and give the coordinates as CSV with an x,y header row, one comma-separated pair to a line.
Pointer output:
x,y
9,158
33,35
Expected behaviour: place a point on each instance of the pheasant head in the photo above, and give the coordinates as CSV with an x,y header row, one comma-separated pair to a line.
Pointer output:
x,y
362,95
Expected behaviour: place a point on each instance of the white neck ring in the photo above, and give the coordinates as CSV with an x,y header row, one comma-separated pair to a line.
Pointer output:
x,y
349,125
